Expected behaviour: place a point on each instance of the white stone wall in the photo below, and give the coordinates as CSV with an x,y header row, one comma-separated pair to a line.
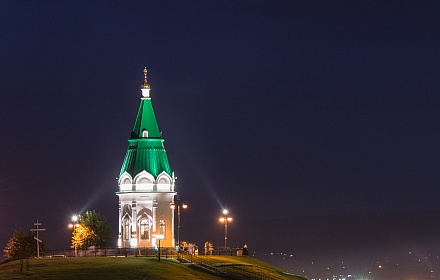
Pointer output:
x,y
145,198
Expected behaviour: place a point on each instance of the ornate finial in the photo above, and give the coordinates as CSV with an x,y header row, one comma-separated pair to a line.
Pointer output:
x,y
145,84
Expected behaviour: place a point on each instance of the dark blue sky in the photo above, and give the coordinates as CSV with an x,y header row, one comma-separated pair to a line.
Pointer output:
x,y
273,109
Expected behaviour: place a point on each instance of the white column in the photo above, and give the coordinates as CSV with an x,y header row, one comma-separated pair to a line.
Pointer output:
x,y
120,224
134,226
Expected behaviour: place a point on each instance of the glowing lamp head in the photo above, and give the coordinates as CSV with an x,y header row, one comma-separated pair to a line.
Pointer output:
x,y
225,212
184,206
74,218
159,236
172,206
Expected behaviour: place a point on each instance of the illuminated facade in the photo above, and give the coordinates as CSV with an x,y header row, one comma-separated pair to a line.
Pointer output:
x,y
146,184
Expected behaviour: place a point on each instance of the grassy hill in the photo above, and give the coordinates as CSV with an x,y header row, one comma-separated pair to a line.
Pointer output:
x,y
202,267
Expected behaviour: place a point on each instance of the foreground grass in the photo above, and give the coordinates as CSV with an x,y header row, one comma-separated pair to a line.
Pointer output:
x,y
246,266
100,268
126,268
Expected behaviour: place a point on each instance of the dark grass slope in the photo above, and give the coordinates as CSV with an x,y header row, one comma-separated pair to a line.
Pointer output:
x,y
137,268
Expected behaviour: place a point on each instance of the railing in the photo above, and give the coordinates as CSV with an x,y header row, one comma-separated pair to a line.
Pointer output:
x,y
112,252
137,252
224,252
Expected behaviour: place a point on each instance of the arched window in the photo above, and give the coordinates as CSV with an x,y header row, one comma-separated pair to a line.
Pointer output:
x,y
145,229
144,133
127,231
163,228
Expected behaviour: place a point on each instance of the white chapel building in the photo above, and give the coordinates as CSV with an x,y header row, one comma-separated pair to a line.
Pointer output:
x,y
146,184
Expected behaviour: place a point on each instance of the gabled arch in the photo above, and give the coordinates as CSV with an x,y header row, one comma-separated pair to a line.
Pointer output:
x,y
126,211
145,212
144,181
125,182
145,222
164,182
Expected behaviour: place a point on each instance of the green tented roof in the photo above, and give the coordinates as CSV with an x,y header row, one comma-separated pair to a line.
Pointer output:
x,y
146,153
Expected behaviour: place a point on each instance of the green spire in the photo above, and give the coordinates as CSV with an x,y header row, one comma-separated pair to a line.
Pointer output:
x,y
146,123
145,149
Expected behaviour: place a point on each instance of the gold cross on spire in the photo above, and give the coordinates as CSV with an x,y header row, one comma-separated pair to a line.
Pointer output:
x,y
145,84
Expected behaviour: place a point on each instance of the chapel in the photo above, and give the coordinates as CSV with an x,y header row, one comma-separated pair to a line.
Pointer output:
x,y
146,183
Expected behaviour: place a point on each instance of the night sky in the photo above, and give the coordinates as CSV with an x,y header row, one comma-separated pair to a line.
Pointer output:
x,y
272,109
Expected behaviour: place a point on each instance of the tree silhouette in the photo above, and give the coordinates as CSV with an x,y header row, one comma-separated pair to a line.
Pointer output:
x,y
93,230
21,245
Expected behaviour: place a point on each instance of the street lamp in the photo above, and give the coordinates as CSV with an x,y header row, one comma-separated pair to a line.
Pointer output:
x,y
159,237
73,225
173,206
226,219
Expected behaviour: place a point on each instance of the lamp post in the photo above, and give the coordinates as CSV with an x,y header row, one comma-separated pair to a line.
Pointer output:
x,y
226,219
159,237
173,206
73,225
